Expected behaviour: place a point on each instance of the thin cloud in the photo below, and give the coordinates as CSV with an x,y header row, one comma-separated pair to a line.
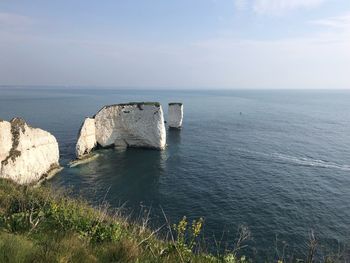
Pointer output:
x,y
276,7
241,4
14,20
341,22
281,6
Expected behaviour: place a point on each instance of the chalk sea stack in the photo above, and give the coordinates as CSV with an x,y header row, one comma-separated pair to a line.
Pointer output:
x,y
87,137
27,154
175,115
134,124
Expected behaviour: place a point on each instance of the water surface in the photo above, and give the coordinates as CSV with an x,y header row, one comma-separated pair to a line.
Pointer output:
x,y
276,161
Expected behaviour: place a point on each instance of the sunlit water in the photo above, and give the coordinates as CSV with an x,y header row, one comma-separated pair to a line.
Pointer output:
x,y
275,161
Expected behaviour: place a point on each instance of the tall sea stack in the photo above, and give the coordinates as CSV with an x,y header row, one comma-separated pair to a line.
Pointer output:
x,y
175,115
134,124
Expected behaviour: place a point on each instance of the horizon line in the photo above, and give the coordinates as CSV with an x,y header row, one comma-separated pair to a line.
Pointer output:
x,y
162,88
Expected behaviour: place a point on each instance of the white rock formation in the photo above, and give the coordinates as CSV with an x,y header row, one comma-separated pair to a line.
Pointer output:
x,y
175,115
129,125
27,154
87,138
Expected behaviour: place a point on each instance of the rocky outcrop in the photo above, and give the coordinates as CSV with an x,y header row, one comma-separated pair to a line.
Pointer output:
x,y
135,124
27,154
175,115
86,138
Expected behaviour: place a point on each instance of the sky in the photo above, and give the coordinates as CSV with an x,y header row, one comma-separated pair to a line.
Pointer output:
x,y
218,44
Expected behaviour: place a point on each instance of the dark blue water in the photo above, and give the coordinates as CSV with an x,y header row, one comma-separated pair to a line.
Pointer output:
x,y
281,167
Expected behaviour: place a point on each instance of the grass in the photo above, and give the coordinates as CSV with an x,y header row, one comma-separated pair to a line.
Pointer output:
x,y
157,104
138,104
45,225
133,103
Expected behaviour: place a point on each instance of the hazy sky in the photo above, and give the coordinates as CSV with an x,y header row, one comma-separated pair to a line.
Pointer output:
x,y
176,44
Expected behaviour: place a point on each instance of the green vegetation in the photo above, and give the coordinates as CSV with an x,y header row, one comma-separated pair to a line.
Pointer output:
x,y
175,103
138,104
17,125
42,225
150,103
133,103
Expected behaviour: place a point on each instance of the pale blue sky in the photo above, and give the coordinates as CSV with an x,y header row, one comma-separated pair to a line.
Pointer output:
x,y
176,44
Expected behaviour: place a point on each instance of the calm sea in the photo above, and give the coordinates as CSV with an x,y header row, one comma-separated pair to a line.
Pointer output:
x,y
275,161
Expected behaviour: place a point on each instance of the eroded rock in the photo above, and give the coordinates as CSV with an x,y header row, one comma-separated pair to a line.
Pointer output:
x,y
175,115
86,138
27,154
135,124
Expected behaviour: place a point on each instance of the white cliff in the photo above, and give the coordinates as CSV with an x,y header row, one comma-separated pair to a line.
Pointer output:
x,y
175,115
87,138
129,125
27,154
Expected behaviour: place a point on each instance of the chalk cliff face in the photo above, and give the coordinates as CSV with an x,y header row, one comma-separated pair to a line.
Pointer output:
x,y
87,137
175,115
129,125
27,154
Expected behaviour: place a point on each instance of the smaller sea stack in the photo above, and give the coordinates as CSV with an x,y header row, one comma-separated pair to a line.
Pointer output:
x,y
175,115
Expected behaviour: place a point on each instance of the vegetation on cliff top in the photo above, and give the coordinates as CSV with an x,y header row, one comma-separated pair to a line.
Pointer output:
x,y
138,104
45,225
133,103
42,225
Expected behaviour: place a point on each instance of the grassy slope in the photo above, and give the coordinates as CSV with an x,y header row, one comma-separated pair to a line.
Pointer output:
x,y
40,225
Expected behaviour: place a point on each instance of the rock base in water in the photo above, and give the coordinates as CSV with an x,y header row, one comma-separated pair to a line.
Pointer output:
x,y
85,159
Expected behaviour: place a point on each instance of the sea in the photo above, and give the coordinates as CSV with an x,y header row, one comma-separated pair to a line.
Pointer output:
x,y
275,162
